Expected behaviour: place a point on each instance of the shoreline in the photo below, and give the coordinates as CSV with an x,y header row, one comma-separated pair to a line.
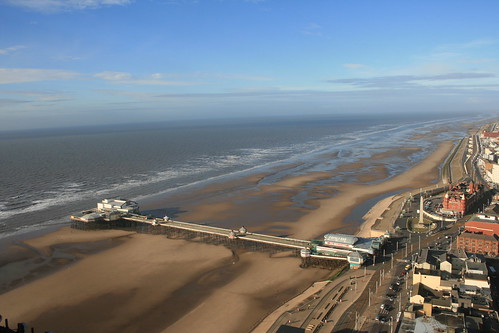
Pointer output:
x,y
253,283
365,230
384,205
351,195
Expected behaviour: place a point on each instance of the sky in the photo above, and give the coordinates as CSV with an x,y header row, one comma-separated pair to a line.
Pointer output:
x,y
86,62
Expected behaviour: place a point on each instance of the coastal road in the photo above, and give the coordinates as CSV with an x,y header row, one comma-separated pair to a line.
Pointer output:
x,y
367,307
362,313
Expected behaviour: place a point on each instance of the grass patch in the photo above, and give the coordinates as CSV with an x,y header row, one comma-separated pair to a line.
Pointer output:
x,y
413,222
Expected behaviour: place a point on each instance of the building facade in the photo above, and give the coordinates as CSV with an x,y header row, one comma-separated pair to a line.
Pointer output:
x,y
478,243
461,197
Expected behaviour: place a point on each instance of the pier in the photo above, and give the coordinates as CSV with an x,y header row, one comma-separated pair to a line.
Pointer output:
x,y
127,217
242,233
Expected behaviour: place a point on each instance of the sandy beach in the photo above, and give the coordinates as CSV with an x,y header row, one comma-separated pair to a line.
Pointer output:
x,y
150,283
118,281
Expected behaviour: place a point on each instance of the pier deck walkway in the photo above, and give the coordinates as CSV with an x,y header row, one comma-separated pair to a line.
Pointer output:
x,y
260,238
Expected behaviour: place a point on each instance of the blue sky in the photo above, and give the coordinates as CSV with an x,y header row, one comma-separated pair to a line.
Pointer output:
x,y
84,62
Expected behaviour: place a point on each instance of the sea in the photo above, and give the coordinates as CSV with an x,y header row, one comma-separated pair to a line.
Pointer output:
x,y
48,174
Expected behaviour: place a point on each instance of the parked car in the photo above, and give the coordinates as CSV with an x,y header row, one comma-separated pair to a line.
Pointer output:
x,y
394,287
386,307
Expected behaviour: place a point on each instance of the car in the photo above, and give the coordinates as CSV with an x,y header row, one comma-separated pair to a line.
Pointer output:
x,y
381,318
394,286
386,307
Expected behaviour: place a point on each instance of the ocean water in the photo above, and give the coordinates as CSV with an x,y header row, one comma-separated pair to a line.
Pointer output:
x,y
45,175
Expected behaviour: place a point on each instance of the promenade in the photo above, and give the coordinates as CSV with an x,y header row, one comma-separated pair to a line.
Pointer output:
x,y
321,309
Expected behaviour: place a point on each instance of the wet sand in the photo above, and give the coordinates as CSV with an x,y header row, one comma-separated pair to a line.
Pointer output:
x,y
116,281
151,283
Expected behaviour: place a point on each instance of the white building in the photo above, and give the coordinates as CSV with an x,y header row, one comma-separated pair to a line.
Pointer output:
x,y
120,205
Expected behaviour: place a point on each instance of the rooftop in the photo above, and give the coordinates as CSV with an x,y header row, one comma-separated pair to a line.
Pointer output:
x,y
487,218
473,235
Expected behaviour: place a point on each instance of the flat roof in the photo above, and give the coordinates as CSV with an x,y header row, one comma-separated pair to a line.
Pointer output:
x,y
473,235
486,218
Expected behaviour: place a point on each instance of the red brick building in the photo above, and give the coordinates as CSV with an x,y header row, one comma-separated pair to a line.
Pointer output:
x,y
486,134
478,243
481,235
460,197
455,202
484,226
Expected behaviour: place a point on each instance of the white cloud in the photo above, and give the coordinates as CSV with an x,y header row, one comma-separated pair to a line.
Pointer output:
x,y
11,49
413,81
19,75
226,76
127,78
474,44
41,95
312,29
353,66
68,58
50,6
478,54
175,79
114,76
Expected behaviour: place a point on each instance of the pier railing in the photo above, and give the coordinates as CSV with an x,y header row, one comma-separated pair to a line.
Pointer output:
x,y
232,239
